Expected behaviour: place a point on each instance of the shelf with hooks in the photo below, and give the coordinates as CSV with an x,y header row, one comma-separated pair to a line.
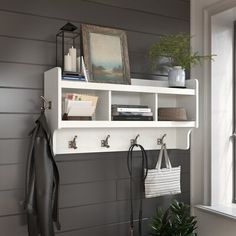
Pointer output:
x,y
116,135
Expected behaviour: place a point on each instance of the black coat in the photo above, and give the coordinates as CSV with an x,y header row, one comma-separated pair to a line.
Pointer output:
x,y
42,183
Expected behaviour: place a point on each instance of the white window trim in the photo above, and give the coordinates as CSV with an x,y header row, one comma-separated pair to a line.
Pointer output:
x,y
227,211
201,179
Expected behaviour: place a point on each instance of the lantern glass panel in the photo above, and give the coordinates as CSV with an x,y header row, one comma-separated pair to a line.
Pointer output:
x,y
64,41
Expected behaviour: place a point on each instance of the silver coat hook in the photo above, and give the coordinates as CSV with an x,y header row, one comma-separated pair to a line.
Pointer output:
x,y
160,140
104,143
134,141
73,143
46,104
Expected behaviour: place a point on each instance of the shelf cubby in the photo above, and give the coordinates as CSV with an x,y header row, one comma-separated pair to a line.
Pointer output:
x,y
181,101
135,98
102,111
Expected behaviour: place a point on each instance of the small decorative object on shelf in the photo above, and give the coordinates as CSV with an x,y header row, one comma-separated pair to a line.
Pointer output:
x,y
172,114
81,76
176,53
68,50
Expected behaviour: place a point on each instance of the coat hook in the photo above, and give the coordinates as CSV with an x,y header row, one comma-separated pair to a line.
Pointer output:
x,y
104,143
134,141
46,104
160,140
73,144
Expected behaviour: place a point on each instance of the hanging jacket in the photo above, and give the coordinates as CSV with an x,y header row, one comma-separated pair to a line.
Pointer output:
x,y
42,183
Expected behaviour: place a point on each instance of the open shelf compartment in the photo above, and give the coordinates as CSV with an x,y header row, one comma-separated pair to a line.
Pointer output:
x,y
101,111
135,98
178,101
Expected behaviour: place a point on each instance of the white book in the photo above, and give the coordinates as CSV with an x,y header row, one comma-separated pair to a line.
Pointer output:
x,y
129,109
116,113
85,72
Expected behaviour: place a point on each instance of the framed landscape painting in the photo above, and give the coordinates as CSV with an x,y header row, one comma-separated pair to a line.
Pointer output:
x,y
106,54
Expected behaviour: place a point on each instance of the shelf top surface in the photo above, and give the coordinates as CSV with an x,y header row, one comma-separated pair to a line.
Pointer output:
x,y
125,88
151,87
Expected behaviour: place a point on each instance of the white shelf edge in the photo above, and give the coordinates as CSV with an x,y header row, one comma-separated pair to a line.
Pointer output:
x,y
128,124
176,124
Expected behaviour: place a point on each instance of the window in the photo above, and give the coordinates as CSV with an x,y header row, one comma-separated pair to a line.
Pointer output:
x,y
222,116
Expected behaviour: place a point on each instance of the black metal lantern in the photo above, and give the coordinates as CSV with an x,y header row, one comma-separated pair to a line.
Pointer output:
x,y
67,40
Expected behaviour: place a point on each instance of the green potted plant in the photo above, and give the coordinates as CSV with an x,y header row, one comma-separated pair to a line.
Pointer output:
x,y
176,48
175,221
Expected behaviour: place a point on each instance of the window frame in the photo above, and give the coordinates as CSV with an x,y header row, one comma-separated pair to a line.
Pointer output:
x,y
234,115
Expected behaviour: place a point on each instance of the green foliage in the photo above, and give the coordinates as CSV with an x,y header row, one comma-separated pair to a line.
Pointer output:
x,y
175,221
176,47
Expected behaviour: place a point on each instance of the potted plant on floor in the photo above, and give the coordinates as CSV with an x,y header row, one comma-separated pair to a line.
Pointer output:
x,y
175,221
176,48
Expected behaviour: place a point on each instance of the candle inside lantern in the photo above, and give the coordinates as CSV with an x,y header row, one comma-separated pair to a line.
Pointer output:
x,y
67,62
72,52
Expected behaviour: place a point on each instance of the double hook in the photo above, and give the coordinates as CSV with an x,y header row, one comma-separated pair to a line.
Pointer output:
x,y
73,143
160,140
134,141
46,104
104,143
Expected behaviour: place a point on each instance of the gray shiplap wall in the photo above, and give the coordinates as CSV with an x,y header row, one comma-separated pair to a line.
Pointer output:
x,y
94,187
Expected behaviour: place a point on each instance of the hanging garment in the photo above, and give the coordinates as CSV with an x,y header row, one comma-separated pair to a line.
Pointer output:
x,y
162,181
143,172
42,183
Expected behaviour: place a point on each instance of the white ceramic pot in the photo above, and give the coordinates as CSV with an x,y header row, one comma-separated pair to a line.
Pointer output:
x,y
176,76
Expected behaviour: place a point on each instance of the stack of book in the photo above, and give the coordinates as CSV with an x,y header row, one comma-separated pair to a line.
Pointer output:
x,y
73,76
131,112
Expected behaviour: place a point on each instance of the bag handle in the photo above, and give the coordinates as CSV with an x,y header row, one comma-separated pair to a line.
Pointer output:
x,y
166,156
159,161
167,159
144,175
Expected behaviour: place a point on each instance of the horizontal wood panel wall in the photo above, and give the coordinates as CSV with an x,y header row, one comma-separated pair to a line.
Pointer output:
x,y
94,187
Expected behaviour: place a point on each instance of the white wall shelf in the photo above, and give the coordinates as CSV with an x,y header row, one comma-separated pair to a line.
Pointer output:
x,y
90,133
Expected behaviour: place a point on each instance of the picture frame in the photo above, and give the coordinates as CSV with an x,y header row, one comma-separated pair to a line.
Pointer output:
x,y
105,53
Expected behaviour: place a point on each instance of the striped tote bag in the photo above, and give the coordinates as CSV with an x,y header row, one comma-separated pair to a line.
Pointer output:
x,y
162,181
